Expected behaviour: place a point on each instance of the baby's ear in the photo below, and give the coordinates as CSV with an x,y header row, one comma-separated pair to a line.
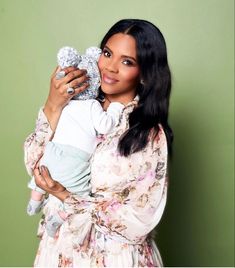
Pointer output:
x,y
93,52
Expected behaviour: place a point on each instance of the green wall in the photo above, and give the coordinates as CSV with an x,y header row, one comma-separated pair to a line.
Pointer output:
x,y
198,225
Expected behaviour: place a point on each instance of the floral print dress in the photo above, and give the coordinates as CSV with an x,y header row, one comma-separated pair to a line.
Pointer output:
x,y
112,227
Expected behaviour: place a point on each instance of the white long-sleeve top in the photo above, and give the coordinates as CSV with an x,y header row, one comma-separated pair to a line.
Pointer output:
x,y
82,120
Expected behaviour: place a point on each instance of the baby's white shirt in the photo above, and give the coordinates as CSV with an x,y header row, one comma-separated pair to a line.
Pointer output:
x,y
82,120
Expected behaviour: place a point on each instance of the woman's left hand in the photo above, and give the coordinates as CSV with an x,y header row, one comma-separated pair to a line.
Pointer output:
x,y
44,180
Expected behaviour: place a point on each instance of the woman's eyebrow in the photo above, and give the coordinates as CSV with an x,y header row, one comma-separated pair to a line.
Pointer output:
x,y
123,56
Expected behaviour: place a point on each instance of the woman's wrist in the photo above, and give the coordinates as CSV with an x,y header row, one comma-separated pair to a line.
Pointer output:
x,y
61,195
51,107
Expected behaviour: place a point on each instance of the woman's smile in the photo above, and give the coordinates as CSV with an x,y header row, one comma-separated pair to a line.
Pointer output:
x,y
109,80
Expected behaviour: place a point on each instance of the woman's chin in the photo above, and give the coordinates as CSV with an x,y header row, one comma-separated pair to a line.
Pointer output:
x,y
108,89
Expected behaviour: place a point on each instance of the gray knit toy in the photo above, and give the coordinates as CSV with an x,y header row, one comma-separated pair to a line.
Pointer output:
x,y
68,56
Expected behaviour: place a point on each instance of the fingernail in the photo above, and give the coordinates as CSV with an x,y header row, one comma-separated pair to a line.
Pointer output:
x,y
43,168
85,83
60,75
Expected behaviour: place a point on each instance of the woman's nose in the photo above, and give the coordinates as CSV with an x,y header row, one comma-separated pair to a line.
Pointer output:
x,y
112,66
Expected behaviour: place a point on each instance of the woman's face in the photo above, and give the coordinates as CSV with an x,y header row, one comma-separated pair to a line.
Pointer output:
x,y
120,72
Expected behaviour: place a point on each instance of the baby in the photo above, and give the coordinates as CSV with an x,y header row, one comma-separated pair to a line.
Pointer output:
x,y
68,154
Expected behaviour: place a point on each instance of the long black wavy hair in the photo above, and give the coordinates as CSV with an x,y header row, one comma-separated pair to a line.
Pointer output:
x,y
154,92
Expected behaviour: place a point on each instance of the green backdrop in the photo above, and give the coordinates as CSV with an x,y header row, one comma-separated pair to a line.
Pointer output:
x,y
198,224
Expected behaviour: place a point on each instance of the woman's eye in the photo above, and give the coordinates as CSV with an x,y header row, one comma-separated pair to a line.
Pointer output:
x,y
106,53
128,62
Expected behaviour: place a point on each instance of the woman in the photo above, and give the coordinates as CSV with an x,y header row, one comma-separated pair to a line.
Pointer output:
x,y
111,227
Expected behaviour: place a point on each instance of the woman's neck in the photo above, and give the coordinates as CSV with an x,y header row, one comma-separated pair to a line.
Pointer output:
x,y
124,99
106,99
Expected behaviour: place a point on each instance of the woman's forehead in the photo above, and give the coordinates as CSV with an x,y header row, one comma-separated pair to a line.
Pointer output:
x,y
122,44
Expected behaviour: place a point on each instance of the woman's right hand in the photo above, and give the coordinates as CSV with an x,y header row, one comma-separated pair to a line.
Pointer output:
x,y
58,96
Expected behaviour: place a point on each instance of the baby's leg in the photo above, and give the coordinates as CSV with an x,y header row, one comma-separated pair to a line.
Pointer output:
x,y
54,222
35,203
36,195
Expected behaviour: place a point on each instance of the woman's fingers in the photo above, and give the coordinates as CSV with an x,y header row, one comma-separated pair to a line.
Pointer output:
x,y
54,186
47,177
39,180
75,75
65,70
77,82
44,181
69,74
70,78
80,88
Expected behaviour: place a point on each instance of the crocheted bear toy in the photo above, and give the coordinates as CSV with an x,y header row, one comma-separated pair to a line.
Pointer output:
x,y
68,56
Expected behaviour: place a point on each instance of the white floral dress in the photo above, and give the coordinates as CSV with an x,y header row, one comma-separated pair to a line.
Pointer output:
x,y
110,228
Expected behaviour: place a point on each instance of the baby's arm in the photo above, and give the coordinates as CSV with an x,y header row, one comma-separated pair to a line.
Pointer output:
x,y
104,121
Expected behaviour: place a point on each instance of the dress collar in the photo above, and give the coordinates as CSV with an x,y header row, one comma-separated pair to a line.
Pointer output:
x,y
133,102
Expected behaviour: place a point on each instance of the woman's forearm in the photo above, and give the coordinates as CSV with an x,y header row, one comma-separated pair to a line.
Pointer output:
x,y
52,114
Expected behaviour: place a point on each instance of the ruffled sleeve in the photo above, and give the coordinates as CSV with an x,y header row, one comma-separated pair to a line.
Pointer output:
x,y
128,211
35,143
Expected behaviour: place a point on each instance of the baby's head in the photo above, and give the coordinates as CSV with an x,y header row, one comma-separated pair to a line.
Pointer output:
x,y
68,56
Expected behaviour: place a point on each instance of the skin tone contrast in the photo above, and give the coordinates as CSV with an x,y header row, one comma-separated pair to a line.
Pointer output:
x,y
120,75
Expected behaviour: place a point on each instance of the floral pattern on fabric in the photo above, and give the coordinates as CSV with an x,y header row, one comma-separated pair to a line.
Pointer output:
x,y
112,227
35,143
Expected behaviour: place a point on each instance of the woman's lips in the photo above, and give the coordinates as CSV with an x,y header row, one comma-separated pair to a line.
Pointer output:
x,y
108,80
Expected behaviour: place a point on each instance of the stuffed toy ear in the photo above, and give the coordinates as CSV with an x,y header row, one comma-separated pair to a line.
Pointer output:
x,y
93,52
68,56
